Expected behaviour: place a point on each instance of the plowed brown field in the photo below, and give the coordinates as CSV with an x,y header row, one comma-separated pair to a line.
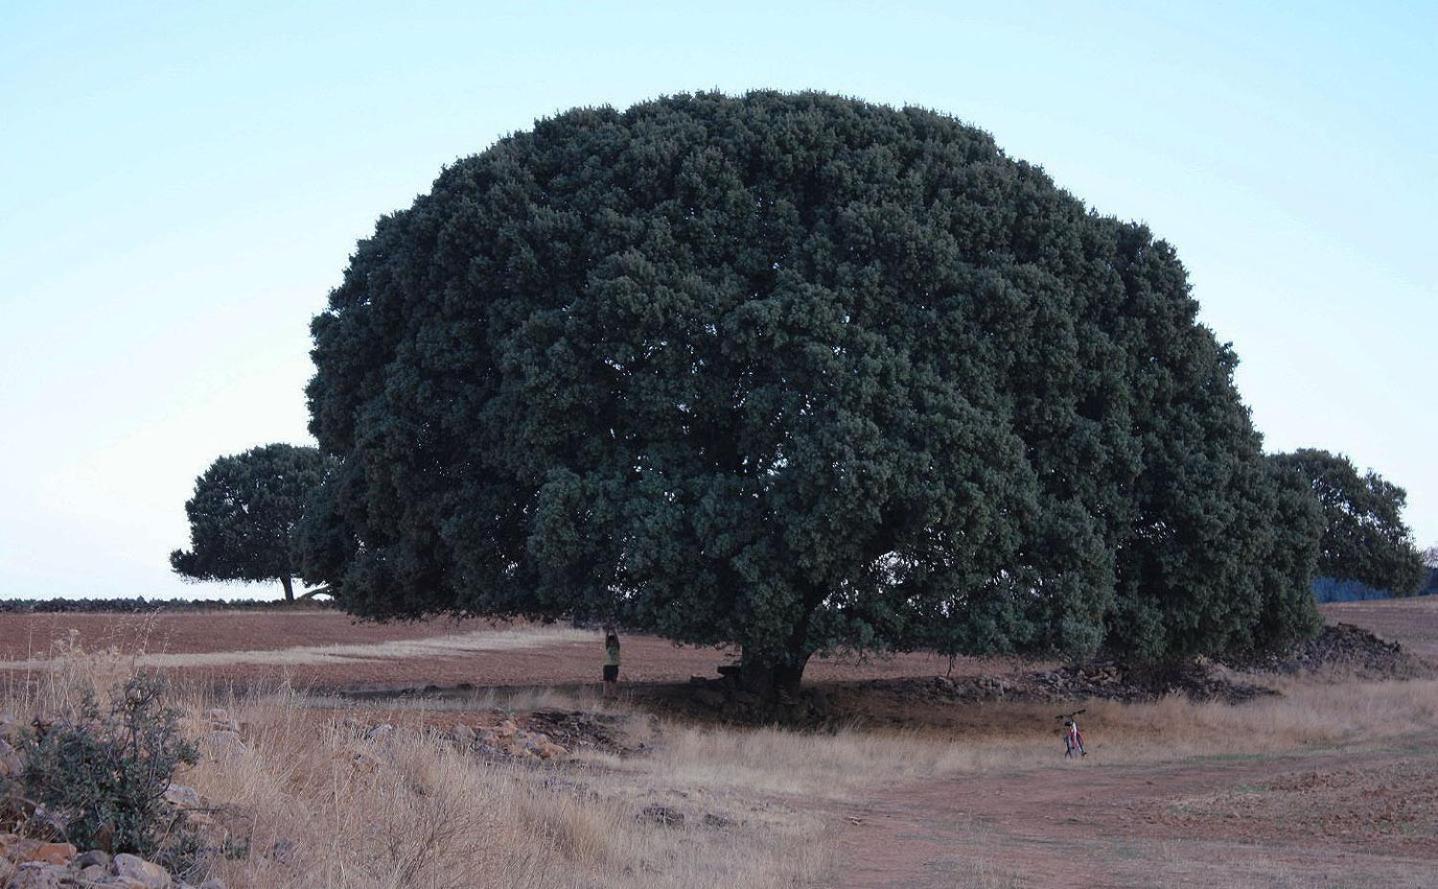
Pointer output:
x,y
328,649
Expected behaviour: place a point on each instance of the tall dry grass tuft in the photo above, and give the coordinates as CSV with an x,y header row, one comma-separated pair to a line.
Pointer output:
x,y
317,804
70,671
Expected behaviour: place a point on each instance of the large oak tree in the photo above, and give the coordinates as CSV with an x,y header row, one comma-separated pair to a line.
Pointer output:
x,y
792,372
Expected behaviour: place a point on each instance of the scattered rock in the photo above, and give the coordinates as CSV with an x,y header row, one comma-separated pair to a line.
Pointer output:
x,y
138,870
225,744
543,748
578,730
37,875
380,732
52,853
463,735
664,816
220,720
183,797
1103,681
93,858
717,821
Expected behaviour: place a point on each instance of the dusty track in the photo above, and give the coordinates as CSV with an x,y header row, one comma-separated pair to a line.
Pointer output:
x,y
1332,819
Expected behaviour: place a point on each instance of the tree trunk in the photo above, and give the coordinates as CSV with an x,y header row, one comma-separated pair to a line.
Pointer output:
x,y
772,677
774,674
289,587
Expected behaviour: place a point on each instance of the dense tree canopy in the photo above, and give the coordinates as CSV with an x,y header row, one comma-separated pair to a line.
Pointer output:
x,y
792,372
243,514
1364,537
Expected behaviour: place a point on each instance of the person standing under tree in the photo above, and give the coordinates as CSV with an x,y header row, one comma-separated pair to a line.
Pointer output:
x,y
611,661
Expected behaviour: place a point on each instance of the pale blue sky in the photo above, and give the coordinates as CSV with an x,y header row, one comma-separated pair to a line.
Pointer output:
x,y
181,184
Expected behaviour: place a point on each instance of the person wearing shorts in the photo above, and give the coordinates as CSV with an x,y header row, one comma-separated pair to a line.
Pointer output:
x,y
611,663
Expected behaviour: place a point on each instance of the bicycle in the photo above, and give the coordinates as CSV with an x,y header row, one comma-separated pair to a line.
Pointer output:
x,y
1073,738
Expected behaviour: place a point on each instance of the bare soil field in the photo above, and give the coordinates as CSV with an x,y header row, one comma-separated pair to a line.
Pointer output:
x,y
327,649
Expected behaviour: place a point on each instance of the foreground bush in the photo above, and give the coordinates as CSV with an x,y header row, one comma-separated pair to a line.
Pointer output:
x,y
103,774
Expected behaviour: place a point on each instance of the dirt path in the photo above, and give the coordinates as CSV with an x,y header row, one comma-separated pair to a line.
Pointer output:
x,y
1350,820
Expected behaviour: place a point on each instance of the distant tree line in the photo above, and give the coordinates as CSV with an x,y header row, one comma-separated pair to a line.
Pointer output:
x,y
140,605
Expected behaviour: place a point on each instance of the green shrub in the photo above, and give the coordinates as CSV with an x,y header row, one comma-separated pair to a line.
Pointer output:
x,y
103,775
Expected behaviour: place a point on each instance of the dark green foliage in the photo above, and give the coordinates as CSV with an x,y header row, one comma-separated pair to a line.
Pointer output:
x,y
243,515
105,774
1364,537
794,372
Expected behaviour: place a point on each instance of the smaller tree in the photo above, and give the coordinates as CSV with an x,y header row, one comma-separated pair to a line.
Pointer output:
x,y
1364,537
243,514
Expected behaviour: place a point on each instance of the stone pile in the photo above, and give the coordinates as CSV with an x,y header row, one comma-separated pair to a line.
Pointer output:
x,y
507,740
1099,681
1348,648
222,740
32,864
580,730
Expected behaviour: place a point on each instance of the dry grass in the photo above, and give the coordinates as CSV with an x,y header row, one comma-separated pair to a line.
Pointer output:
x,y
413,811
1016,737
312,803
1308,715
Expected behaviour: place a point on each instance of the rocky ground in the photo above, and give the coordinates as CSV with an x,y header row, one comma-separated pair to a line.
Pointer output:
x,y
32,864
537,735
1349,648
